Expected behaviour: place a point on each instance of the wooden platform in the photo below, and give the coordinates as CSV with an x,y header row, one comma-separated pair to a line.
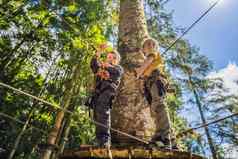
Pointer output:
x,y
124,153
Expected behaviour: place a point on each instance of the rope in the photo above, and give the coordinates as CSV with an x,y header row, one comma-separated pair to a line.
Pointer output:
x,y
191,26
23,123
67,111
34,97
207,124
100,124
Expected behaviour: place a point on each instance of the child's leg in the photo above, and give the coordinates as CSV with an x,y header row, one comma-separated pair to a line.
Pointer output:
x,y
102,116
160,113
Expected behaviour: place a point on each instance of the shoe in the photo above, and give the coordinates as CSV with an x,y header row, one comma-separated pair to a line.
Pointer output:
x,y
109,153
157,144
160,142
106,145
175,146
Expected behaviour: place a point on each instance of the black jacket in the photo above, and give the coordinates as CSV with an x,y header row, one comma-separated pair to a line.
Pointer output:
x,y
112,83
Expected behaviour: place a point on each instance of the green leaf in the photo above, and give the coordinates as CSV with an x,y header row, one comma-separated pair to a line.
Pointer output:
x,y
78,43
72,8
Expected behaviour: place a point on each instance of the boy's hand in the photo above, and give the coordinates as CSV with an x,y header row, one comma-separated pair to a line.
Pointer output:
x,y
105,65
138,73
103,46
103,74
100,49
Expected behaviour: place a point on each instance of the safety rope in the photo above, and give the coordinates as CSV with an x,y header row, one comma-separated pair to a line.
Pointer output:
x,y
191,26
102,125
207,124
23,123
30,126
67,111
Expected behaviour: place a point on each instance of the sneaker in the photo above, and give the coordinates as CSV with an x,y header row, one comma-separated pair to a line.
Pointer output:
x,y
106,145
160,142
109,153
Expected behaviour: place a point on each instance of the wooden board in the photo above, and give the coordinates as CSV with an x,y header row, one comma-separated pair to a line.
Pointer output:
x,y
121,153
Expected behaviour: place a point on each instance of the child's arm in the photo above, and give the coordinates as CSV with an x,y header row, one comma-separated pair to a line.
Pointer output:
x,y
116,72
140,71
95,63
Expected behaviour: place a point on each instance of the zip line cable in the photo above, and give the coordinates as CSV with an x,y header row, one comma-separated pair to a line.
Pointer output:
x,y
67,111
192,25
115,130
34,97
207,124
23,123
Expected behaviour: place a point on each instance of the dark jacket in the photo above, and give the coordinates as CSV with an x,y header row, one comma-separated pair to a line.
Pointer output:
x,y
115,74
104,87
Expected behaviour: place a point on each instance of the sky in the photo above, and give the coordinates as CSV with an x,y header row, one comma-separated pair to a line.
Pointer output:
x,y
216,34
230,83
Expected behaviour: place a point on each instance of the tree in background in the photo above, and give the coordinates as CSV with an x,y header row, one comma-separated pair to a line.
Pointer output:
x,y
220,102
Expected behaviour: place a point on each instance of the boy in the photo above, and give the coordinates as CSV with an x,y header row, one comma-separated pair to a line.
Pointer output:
x,y
108,74
155,86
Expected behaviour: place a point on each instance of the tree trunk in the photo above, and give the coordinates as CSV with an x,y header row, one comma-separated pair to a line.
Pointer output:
x,y
199,105
131,113
65,135
19,136
71,87
65,132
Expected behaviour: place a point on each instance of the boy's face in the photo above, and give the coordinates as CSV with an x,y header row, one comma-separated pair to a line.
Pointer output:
x,y
111,58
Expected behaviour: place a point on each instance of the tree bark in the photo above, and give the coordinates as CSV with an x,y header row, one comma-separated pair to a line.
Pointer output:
x,y
131,112
65,131
71,88
199,105
19,136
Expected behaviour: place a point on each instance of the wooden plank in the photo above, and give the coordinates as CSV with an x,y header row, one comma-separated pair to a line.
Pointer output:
x,y
135,153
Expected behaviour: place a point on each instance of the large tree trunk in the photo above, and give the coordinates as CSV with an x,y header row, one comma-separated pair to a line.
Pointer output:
x,y
131,113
